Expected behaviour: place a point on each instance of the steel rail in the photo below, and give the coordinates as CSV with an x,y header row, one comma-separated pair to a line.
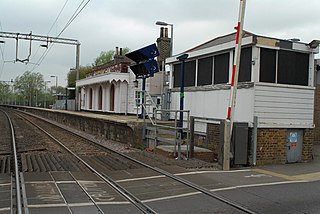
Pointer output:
x,y
190,184
15,156
130,197
165,173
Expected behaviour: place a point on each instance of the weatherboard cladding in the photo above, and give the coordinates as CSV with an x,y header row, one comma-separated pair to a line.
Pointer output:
x,y
283,106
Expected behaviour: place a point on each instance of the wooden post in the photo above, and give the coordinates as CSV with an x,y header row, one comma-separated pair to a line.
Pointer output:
x,y
191,136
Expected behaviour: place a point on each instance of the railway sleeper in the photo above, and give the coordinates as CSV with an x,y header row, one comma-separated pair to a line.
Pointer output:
x,y
56,161
40,163
49,159
29,164
98,165
44,161
5,164
114,164
34,163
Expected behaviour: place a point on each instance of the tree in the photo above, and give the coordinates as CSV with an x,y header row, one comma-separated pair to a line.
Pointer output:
x,y
104,57
29,87
108,56
72,78
5,92
82,74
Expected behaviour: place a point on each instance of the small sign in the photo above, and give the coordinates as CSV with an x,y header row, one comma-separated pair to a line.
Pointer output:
x,y
293,145
293,137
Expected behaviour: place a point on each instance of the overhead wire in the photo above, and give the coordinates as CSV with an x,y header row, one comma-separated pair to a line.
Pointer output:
x,y
74,15
53,24
2,54
72,18
56,20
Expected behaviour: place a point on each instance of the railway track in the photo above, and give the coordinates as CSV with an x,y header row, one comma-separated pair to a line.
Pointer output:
x,y
16,201
102,161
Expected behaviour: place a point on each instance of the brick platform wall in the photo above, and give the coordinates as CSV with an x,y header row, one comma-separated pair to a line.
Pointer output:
x,y
123,132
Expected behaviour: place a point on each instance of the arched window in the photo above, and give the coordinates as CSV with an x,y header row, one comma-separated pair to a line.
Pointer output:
x,y
112,97
100,99
90,98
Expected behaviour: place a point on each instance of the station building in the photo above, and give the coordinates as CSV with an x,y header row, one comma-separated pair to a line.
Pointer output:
x,y
113,87
276,85
109,88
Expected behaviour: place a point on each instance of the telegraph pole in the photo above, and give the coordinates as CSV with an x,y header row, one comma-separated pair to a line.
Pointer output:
x,y
77,108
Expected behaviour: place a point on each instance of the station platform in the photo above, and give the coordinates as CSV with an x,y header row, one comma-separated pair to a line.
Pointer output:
x,y
127,129
104,116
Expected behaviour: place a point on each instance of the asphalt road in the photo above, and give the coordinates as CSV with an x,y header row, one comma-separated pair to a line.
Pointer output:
x,y
290,198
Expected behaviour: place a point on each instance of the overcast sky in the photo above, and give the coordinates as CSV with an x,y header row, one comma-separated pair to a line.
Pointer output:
x,y
105,24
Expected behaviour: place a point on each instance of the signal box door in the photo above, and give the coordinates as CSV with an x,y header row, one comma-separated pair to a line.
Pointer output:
x,y
294,145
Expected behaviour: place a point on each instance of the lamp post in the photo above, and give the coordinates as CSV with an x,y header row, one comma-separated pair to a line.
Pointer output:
x,y
182,59
56,87
171,31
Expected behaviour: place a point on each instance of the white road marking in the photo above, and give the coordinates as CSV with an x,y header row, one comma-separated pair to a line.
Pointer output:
x,y
183,173
257,176
223,189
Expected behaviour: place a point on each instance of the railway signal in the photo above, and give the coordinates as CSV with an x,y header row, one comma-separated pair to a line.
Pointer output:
x,y
145,66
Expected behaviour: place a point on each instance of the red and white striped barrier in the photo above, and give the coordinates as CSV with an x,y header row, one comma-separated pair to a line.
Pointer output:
x,y
236,64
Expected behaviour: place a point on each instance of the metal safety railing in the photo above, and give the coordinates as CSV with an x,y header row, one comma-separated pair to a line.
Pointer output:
x,y
148,106
169,132
165,132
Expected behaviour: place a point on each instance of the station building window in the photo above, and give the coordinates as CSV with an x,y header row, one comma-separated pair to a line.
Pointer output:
x,y
284,67
221,68
100,99
189,74
90,98
293,68
205,71
268,65
245,65
112,97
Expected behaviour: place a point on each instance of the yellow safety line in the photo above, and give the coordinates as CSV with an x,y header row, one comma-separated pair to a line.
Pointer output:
x,y
287,177
310,176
